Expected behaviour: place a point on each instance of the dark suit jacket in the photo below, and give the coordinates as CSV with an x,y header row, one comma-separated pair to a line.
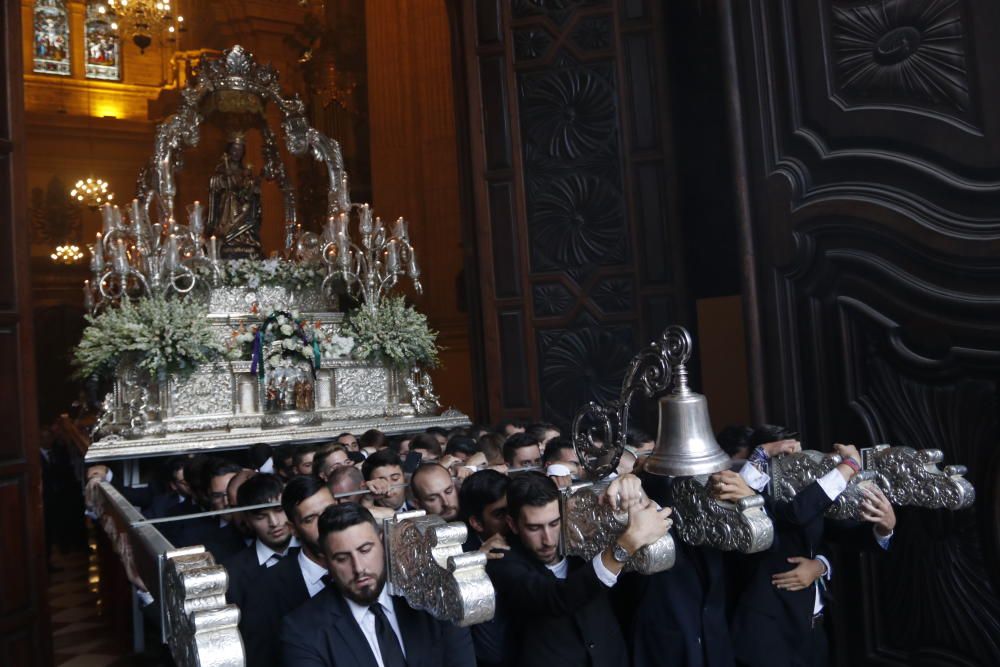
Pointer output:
x,y
323,633
677,618
772,626
278,591
245,573
548,621
222,542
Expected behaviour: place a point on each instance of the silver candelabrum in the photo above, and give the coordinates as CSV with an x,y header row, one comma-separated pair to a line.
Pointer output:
x,y
371,264
133,258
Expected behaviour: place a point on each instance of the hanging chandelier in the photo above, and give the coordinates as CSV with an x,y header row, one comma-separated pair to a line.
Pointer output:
x,y
67,254
142,20
91,192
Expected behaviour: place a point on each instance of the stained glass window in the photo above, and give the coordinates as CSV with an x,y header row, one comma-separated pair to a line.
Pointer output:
x,y
102,50
51,42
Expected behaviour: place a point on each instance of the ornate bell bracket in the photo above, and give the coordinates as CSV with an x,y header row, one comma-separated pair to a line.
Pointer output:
x,y
426,565
589,527
743,526
651,372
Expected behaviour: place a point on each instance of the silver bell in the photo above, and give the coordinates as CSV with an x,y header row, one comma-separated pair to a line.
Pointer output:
x,y
685,443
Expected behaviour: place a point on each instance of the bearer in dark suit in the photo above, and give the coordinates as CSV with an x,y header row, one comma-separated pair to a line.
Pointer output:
x,y
289,584
273,538
556,609
356,622
778,621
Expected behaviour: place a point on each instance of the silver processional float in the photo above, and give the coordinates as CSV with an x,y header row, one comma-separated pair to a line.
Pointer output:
x,y
228,404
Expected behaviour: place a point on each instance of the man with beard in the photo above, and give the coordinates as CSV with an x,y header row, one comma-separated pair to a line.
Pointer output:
x,y
434,491
294,580
356,621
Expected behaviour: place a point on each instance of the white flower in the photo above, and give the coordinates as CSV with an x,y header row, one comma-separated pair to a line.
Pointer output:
x,y
281,319
287,329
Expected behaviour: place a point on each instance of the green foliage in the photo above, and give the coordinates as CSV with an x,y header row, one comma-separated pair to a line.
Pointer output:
x,y
158,333
268,272
395,334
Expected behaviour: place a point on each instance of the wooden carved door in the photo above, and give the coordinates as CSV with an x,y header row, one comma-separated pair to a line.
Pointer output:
x,y
869,145
23,608
576,254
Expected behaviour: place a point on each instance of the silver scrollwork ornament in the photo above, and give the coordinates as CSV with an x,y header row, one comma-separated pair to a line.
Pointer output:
x,y
426,565
701,520
203,629
589,527
912,477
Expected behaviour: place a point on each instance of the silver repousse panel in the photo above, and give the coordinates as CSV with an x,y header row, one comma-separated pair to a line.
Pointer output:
x,y
700,519
427,566
589,527
207,391
266,298
361,386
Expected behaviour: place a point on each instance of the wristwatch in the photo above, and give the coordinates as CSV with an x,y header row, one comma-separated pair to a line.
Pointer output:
x,y
620,553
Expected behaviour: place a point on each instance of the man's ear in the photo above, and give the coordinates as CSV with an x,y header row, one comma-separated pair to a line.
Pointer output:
x,y
511,524
476,524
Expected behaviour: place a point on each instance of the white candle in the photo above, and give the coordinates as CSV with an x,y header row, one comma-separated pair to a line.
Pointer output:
x,y
213,250
99,254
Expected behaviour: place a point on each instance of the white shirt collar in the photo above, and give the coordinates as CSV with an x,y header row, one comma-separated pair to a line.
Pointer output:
x,y
312,573
264,552
384,599
560,569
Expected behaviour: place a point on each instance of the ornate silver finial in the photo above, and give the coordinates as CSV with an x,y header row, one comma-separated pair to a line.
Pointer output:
x,y
679,346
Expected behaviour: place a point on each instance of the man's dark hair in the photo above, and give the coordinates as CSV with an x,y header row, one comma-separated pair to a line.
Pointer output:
x,y
734,438
323,453
383,457
341,473
301,452
258,454
530,489
373,438
437,430
461,444
636,437
336,518
537,430
554,449
766,433
479,490
491,445
259,489
347,433
504,423
298,489
427,442
196,471
222,467
516,442
172,465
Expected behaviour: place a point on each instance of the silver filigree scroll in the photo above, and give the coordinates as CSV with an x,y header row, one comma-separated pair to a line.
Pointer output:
x,y
912,477
426,565
589,527
791,473
701,520
202,627
907,476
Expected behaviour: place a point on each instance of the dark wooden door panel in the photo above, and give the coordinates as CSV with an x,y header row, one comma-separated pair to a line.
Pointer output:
x,y
571,170
23,607
872,137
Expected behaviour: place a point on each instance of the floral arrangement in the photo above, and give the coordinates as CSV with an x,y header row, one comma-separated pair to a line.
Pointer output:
x,y
161,334
291,340
268,272
394,333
